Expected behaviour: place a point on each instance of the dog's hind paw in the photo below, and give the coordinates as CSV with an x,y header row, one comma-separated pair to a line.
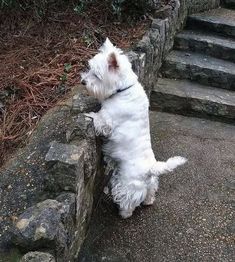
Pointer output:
x,y
125,213
149,201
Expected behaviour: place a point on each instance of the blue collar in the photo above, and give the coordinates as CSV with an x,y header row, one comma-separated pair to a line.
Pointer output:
x,y
121,90
124,89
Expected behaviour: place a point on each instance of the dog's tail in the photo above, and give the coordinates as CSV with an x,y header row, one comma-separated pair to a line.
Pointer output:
x,y
169,165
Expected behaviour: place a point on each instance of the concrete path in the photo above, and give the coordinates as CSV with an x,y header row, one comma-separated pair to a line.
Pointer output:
x,y
193,217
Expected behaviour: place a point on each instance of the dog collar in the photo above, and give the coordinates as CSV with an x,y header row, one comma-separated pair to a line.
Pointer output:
x,y
121,90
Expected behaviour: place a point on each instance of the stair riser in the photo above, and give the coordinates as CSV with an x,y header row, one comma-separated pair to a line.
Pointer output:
x,y
223,29
203,76
214,50
191,106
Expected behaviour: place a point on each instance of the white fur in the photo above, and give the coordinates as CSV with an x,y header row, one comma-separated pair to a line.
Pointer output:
x,y
124,119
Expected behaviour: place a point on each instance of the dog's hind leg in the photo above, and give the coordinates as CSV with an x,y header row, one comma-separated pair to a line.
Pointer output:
x,y
150,197
152,189
128,196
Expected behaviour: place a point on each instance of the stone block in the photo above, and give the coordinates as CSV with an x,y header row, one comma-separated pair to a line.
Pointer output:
x,y
138,61
37,257
81,133
65,167
83,104
163,12
40,226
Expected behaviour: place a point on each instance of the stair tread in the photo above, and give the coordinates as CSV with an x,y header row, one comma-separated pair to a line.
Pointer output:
x,y
207,37
186,88
218,16
201,60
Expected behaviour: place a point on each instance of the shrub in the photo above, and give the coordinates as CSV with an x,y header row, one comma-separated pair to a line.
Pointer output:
x,y
132,8
37,8
121,9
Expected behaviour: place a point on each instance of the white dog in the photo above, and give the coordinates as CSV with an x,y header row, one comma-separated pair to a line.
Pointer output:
x,y
124,120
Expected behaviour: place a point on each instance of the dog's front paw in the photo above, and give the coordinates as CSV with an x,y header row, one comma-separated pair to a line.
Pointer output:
x,y
106,130
90,115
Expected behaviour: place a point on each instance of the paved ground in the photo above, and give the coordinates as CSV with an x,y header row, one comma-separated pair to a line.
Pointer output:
x,y
193,218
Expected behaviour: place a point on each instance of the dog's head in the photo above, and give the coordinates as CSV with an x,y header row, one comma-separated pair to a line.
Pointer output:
x,y
109,71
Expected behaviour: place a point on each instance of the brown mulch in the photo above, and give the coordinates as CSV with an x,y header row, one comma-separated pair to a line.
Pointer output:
x,y
41,61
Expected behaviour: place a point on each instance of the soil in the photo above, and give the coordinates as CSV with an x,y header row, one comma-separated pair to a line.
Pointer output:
x,y
40,61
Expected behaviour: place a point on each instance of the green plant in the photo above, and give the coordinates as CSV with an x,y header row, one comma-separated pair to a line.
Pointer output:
x,y
62,87
38,8
117,7
88,38
64,76
124,9
7,3
67,67
80,6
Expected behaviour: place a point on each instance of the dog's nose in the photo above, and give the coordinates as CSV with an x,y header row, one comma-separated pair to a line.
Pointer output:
x,y
83,82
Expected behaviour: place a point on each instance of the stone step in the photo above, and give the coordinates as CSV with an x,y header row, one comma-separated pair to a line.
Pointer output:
x,y
229,3
214,45
219,20
188,98
206,70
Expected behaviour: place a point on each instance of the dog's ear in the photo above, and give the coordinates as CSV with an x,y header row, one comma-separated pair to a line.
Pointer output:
x,y
112,62
106,45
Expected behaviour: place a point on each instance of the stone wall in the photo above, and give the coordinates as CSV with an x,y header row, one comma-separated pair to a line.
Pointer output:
x,y
148,53
201,5
61,173
49,188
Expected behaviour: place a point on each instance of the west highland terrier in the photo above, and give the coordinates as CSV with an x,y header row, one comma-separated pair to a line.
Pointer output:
x,y
124,120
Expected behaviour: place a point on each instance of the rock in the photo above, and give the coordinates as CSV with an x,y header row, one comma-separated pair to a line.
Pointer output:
x,y
26,170
138,63
37,257
41,226
81,128
65,167
84,103
81,132
68,217
145,46
163,12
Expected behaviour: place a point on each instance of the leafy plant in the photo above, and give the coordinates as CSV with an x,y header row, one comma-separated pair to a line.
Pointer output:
x,y
64,77
132,8
62,88
121,9
81,6
67,67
